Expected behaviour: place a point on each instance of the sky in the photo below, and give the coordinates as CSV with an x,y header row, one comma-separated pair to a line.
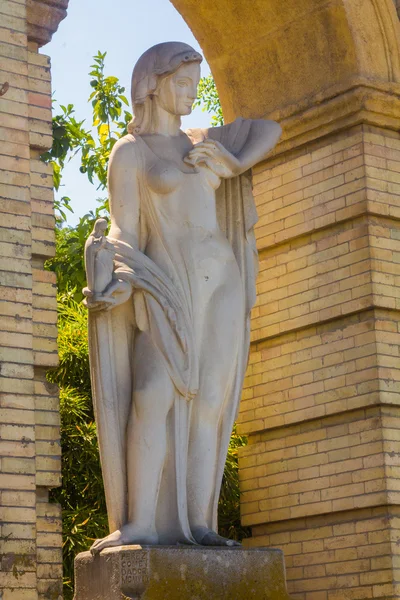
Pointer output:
x,y
124,29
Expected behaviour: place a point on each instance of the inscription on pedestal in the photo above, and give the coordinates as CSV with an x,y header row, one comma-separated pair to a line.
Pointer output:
x,y
134,569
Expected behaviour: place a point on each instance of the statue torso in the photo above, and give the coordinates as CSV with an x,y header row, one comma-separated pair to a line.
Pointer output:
x,y
184,226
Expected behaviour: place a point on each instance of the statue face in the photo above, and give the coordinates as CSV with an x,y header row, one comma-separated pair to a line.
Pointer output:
x,y
178,91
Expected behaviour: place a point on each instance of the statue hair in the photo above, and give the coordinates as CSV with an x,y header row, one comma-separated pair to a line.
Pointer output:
x,y
149,73
143,121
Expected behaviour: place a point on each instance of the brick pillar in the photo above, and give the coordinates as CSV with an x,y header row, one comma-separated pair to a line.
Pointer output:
x,y
30,531
320,477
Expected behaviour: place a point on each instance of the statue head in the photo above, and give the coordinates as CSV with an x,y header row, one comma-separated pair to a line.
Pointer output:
x,y
100,228
167,74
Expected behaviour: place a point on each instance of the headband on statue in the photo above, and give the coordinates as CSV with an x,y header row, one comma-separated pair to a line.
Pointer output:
x,y
162,59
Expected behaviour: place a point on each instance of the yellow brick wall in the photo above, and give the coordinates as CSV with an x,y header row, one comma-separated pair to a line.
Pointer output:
x,y
321,395
307,468
341,557
29,420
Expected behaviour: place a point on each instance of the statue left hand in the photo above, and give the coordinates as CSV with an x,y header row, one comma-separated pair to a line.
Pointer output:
x,y
216,157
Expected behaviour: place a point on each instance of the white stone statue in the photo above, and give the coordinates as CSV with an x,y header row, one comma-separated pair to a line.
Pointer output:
x,y
169,295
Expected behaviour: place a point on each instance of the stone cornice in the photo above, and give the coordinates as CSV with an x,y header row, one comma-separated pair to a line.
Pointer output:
x,y
358,102
44,17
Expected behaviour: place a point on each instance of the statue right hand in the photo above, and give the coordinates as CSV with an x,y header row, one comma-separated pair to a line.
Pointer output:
x,y
116,293
215,156
97,305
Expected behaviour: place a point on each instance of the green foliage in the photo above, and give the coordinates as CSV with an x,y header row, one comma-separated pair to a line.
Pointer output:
x,y
208,99
94,145
73,369
229,524
82,494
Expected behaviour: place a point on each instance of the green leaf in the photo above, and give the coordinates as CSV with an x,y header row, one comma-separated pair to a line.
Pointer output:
x,y
111,80
103,132
59,131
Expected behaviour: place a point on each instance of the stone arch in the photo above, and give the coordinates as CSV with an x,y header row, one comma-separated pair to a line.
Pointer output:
x,y
269,55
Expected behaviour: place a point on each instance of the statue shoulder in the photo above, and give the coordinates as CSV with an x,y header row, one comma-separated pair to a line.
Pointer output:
x,y
125,153
234,136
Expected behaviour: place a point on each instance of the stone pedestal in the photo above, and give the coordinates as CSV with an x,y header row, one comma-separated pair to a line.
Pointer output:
x,y
180,573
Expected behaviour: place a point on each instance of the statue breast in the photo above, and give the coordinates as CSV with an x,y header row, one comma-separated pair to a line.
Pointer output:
x,y
163,177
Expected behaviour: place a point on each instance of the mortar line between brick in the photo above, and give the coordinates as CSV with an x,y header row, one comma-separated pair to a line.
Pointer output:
x,y
263,252
322,322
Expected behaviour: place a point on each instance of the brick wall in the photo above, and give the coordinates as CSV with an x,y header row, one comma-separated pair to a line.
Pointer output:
x,y
322,390
340,557
29,420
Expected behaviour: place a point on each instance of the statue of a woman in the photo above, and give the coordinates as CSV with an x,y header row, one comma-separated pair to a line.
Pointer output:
x,y
169,330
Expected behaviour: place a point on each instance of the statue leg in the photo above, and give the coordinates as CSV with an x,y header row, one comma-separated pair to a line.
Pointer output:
x,y
153,398
219,351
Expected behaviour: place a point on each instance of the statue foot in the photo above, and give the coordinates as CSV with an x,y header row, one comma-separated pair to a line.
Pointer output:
x,y
127,535
208,537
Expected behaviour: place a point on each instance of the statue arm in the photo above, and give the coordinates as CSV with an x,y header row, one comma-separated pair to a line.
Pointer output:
x,y
124,197
124,210
261,139
250,141
232,149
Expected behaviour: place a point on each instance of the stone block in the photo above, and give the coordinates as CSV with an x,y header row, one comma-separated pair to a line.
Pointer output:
x,y
180,573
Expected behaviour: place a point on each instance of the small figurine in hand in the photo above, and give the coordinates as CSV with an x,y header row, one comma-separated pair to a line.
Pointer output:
x,y
101,288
